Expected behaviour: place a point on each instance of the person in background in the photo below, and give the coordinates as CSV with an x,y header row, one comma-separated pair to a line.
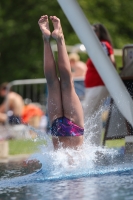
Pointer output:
x,y
78,67
95,89
64,107
13,102
15,111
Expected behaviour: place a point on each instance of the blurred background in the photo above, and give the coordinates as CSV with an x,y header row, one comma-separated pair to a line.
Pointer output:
x,y
21,46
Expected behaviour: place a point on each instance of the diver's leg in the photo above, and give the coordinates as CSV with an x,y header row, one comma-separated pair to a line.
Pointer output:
x,y
72,108
54,91
71,104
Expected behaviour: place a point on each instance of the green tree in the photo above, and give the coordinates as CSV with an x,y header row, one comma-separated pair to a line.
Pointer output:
x,y
116,15
21,46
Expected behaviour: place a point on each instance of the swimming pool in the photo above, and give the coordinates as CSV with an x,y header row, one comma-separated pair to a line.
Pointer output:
x,y
90,173
94,173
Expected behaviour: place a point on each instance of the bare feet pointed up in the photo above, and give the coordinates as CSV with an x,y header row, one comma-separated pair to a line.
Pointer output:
x,y
44,26
57,33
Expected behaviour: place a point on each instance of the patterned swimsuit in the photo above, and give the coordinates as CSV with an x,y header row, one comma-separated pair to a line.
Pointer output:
x,y
64,127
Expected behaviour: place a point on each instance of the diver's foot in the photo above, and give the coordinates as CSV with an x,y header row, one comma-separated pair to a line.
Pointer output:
x,y
44,26
57,33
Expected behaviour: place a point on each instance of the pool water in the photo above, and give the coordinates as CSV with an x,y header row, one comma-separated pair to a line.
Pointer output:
x,y
97,188
89,173
93,173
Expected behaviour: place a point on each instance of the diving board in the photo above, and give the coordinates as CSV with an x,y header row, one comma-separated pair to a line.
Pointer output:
x,y
102,63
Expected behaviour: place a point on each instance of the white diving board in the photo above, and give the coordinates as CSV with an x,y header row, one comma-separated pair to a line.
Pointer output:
x,y
102,63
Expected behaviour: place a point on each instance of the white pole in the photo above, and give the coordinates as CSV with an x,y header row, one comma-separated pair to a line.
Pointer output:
x,y
102,63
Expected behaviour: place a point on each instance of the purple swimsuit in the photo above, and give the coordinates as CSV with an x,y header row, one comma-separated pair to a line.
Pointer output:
x,y
64,127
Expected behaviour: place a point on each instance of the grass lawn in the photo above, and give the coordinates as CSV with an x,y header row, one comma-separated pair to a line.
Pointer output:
x,y
115,143
119,63
29,146
24,146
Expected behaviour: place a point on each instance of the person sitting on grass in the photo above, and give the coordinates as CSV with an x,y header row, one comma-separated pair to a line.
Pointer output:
x,y
64,107
14,103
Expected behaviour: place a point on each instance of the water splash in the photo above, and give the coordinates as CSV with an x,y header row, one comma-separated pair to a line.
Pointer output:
x,y
70,164
90,160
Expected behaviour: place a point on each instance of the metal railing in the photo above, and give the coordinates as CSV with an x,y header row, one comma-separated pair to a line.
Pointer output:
x,y
29,88
36,89
80,48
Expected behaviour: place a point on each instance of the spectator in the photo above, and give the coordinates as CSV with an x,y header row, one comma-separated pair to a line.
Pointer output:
x,y
95,90
32,115
13,102
14,110
78,67
35,117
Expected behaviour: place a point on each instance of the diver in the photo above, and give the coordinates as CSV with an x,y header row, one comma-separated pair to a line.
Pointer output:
x,y
64,107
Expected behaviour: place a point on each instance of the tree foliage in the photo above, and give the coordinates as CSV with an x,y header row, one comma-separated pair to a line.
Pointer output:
x,y
21,45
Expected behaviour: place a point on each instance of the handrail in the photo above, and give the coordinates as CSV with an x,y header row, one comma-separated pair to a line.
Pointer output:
x,y
80,48
34,81
28,82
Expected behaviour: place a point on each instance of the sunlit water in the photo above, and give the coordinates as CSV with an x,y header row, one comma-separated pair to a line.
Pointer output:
x,y
88,173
